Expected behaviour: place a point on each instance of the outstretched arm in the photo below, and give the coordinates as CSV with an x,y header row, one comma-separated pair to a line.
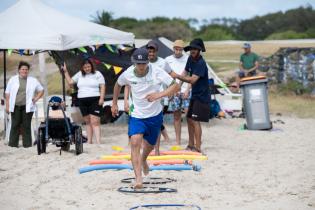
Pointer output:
x,y
189,79
67,76
114,108
171,90
126,98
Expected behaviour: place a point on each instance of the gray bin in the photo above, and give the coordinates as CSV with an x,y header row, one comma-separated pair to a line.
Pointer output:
x,y
255,104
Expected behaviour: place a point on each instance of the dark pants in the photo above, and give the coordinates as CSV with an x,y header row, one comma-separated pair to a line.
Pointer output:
x,y
20,121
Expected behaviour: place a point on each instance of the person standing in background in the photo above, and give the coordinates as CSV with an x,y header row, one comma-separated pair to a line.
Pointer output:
x,y
22,93
180,101
196,73
91,94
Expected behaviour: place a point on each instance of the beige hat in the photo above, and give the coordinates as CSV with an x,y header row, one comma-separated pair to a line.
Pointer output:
x,y
179,43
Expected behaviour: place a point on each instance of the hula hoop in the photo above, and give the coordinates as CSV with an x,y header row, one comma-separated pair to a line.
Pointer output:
x,y
151,180
165,205
146,190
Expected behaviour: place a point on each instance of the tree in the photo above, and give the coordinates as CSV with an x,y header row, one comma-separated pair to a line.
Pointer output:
x,y
103,18
215,32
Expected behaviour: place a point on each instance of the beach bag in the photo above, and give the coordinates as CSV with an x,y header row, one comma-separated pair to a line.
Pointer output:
x,y
214,108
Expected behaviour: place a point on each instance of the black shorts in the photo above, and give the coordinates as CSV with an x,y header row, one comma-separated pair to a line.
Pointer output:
x,y
89,106
198,111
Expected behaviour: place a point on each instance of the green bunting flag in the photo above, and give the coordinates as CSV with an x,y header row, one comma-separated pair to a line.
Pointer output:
x,y
109,47
82,49
10,51
107,66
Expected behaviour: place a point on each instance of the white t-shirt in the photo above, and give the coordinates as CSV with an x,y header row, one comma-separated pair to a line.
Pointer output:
x,y
178,66
143,86
161,63
88,85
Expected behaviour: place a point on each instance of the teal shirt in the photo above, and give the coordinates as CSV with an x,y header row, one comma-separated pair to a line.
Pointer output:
x,y
249,60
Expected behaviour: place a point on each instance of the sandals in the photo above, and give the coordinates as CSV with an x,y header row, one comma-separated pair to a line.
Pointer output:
x,y
190,148
193,149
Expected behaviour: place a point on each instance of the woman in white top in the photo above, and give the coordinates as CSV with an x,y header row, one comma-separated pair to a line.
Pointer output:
x,y
21,94
91,93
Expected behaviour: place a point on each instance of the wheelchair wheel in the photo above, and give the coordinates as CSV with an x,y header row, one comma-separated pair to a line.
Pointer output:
x,y
66,146
78,141
41,143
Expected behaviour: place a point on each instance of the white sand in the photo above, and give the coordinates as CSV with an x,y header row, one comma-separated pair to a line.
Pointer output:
x,y
246,170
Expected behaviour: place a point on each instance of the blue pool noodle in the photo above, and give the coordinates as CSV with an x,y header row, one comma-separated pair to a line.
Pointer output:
x,y
178,167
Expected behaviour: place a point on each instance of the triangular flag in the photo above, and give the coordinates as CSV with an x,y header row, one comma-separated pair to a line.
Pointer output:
x,y
92,47
108,66
96,61
121,47
86,56
117,69
109,47
10,51
82,49
21,52
33,52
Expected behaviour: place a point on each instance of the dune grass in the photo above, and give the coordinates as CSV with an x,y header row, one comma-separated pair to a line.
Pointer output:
x,y
300,106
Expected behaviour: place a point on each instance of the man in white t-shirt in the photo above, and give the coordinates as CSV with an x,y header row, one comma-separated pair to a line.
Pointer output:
x,y
180,101
157,61
146,116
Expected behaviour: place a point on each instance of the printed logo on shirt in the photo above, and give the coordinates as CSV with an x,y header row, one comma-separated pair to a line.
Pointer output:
x,y
150,82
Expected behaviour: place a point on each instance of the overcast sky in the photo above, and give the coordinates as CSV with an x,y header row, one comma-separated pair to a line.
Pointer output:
x,y
200,9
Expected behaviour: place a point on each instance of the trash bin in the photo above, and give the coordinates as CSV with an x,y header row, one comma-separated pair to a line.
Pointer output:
x,y
255,103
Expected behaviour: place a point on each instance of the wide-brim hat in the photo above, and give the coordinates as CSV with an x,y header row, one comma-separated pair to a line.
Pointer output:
x,y
179,43
196,44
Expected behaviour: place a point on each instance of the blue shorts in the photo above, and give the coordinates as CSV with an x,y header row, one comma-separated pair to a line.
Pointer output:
x,y
150,127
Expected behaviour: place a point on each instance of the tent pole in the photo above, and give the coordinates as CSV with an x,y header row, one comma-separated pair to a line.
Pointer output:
x,y
4,71
4,87
63,87
63,81
43,75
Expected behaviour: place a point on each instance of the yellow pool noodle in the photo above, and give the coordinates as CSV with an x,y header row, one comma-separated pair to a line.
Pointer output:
x,y
163,157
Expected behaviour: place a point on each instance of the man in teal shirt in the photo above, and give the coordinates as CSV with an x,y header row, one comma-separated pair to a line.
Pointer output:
x,y
248,63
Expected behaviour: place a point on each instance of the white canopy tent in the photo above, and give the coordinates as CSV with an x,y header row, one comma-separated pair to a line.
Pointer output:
x,y
32,25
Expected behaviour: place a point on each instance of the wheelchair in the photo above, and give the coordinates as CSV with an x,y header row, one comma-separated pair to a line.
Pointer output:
x,y
59,131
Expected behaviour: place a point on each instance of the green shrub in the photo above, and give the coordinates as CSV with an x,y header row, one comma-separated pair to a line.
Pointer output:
x,y
287,35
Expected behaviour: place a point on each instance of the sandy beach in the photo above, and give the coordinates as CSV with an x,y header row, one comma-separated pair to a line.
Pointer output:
x,y
272,170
